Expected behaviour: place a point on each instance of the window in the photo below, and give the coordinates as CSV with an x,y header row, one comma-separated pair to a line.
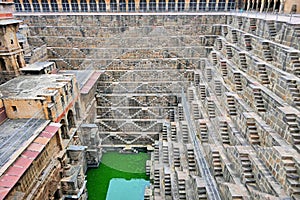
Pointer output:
x,y
11,41
14,108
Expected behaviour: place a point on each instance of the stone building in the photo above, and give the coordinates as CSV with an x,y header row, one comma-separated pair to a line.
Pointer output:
x,y
285,6
11,55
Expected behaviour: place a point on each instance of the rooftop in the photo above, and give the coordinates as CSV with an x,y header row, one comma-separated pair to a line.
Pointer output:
x,y
37,66
16,135
32,86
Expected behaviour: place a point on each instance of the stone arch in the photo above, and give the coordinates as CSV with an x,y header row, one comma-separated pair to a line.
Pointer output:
x,y
93,6
171,5
54,6
231,5
27,6
221,4
193,5
19,61
102,6
65,6
2,64
74,5
143,5
36,6
45,6
202,4
71,120
18,6
277,6
64,130
162,5
131,5
113,6
83,6
212,5
181,4
152,5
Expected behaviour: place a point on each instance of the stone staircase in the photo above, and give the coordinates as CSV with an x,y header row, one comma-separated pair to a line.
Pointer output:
x,y
247,173
247,40
263,75
165,152
202,91
218,87
229,51
180,113
164,133
243,61
223,126
181,188
224,69
173,132
252,27
216,163
258,100
252,132
196,111
191,159
214,58
295,63
185,132
293,128
176,157
168,189
234,36
156,181
292,176
203,131
211,108
295,92
237,81
272,30
266,53
231,107
171,114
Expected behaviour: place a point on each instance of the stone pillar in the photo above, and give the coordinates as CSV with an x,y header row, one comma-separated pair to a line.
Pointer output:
x,y
50,7
88,5
167,5
176,5
22,5
97,5
147,2
59,5
107,2
137,5
127,5
187,5
197,5
79,6
31,6
118,5
157,5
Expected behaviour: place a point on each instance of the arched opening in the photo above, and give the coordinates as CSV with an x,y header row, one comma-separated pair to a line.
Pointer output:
x,y
131,6
245,5
181,5
193,5
19,61
18,6
83,6
70,118
36,6
258,6
64,130
270,6
221,5
162,5
27,6
212,5
102,6
75,7
2,64
93,6
253,5
143,5
113,6
231,5
265,5
171,5
45,6
77,110
65,6
202,4
250,5
277,6
152,5
122,4
54,6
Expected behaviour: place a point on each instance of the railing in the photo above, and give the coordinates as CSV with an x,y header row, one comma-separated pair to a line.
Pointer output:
x,y
211,185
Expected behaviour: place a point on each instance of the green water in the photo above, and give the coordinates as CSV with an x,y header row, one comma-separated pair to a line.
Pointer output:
x,y
115,165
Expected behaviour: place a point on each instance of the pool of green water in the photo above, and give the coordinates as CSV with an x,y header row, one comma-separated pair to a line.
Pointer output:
x,y
115,165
